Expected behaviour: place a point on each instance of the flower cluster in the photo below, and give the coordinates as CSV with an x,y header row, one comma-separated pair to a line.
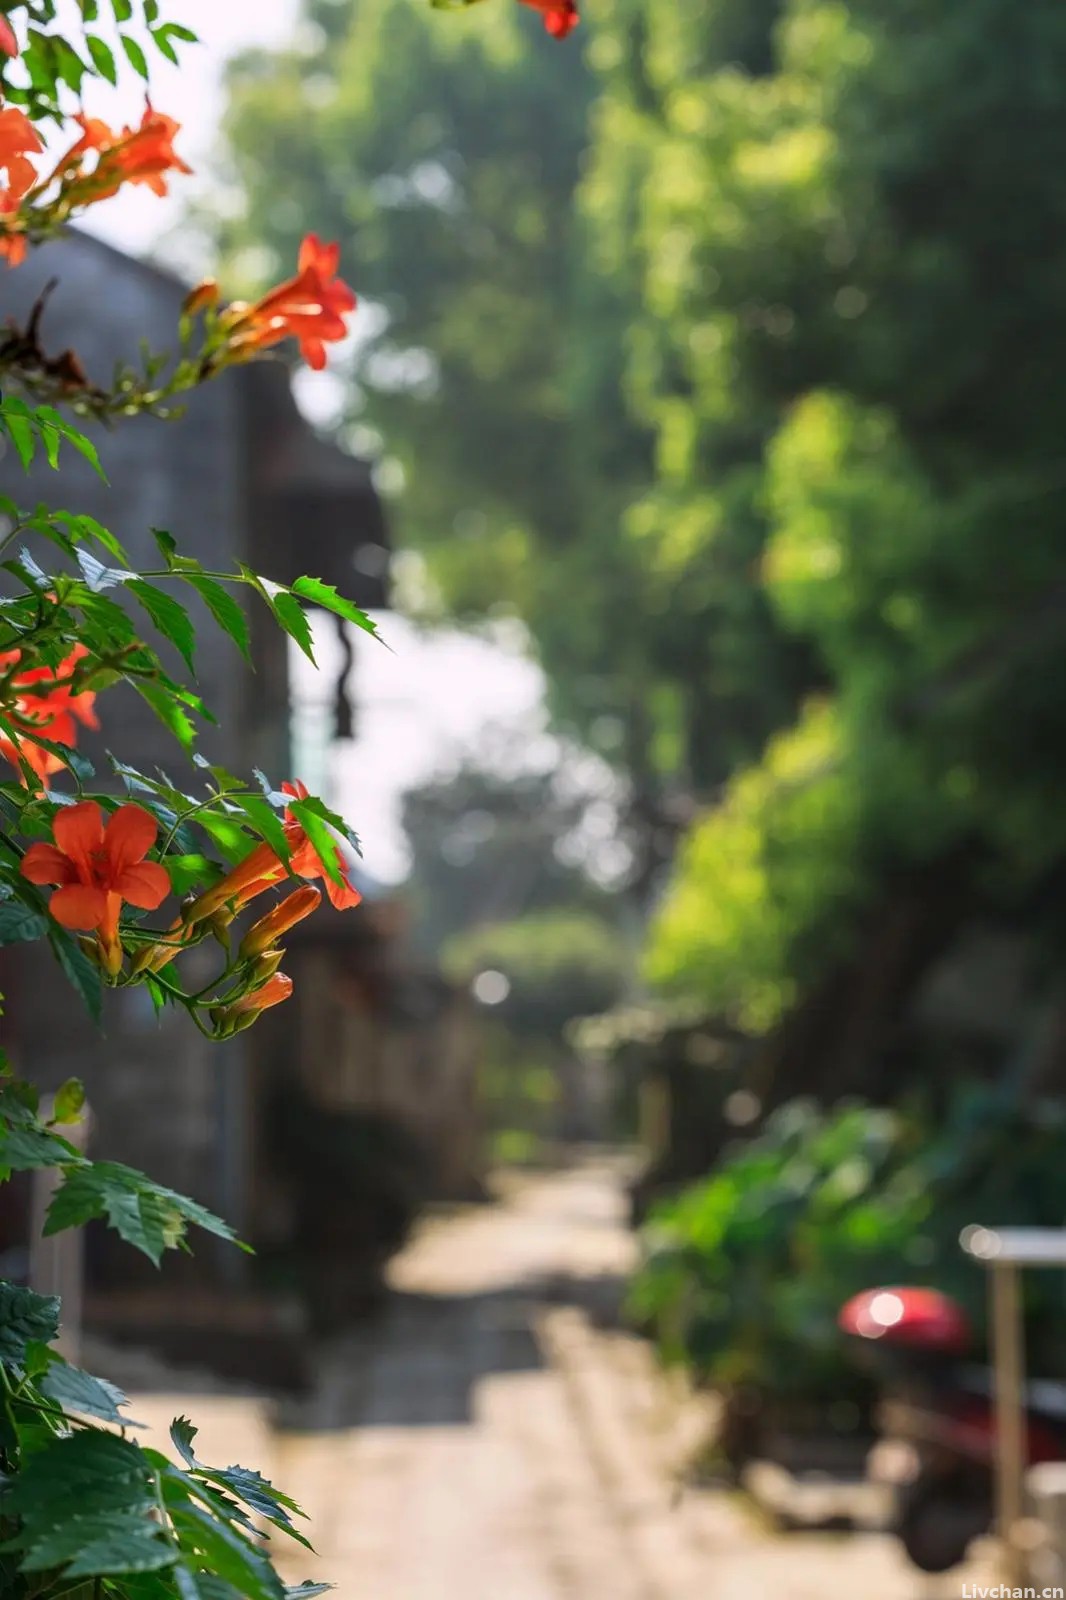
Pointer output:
x,y
42,703
310,307
95,868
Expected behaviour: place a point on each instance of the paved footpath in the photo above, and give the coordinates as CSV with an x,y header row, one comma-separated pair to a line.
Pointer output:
x,y
487,1440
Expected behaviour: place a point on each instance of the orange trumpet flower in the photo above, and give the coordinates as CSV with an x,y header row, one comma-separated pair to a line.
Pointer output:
x,y
144,154
262,867
306,861
242,1013
19,140
560,16
95,868
43,702
310,307
265,933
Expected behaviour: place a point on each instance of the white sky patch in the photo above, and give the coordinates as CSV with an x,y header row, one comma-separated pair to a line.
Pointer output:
x,y
192,92
429,701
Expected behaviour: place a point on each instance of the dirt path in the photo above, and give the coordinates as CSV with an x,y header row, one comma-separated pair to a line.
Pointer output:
x,y
485,1440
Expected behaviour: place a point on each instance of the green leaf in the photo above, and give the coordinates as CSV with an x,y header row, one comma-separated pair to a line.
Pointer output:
x,y
134,55
260,1496
19,924
318,807
182,1434
167,545
81,526
163,44
25,1317
83,975
102,58
317,593
85,1503
168,711
127,1542
306,1590
123,10
226,1552
265,819
21,436
177,30
169,616
69,1101
226,611
321,836
24,1149
146,1215
79,1391
287,611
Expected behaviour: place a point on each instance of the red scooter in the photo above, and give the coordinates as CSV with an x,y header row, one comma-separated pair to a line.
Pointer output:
x,y
937,1423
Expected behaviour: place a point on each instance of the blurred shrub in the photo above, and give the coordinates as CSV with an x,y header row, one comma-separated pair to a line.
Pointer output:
x,y
744,1273
558,965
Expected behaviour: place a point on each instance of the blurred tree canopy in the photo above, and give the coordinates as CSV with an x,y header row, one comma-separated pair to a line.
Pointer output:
x,y
453,157
856,275
730,354
559,965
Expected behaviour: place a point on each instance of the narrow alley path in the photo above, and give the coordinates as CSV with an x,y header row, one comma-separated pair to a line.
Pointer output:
x,y
487,1440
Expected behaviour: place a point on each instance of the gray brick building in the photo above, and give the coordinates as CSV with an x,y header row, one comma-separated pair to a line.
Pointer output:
x,y
239,477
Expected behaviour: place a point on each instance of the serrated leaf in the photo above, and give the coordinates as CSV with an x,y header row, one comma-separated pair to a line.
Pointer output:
x,y
134,1545
265,820
287,611
313,803
25,1149
317,593
80,1392
25,1317
19,924
82,974
228,1553
145,1214
169,616
260,1496
322,838
182,1434
226,611
168,711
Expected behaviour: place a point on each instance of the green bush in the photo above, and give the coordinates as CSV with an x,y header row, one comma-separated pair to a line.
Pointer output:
x,y
744,1273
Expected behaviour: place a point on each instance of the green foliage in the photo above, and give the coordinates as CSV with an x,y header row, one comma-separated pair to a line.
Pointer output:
x,y
744,1273
52,64
850,349
86,1510
458,163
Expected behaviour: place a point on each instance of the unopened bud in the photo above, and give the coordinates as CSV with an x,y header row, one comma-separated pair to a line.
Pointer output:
x,y
269,929
201,298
